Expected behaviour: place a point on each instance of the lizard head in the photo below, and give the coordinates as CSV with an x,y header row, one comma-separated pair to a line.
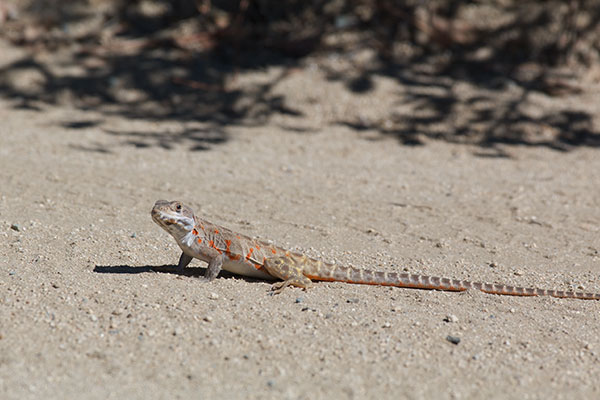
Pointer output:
x,y
174,217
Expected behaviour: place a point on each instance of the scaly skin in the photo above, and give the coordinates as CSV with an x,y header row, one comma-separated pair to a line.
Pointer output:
x,y
224,249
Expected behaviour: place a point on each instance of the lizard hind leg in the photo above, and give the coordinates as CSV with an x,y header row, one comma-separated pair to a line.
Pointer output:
x,y
286,269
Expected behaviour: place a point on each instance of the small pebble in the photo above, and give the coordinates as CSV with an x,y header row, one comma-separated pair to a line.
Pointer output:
x,y
453,339
15,227
299,299
213,296
133,235
12,273
451,318
352,301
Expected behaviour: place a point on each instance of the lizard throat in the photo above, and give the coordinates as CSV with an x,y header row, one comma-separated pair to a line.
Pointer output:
x,y
188,239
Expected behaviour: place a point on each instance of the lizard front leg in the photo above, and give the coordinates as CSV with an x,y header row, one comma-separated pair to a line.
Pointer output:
x,y
286,269
214,267
184,260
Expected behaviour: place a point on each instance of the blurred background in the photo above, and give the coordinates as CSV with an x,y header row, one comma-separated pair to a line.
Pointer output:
x,y
483,72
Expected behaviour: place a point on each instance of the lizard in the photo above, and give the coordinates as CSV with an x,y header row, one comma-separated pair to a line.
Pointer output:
x,y
225,249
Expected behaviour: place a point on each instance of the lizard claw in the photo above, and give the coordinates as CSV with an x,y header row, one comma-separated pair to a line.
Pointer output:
x,y
279,286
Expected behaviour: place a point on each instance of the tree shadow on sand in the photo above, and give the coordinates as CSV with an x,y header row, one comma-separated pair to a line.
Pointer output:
x,y
182,63
495,110
160,83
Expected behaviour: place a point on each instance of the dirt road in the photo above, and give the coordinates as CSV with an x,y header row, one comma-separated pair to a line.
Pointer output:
x,y
83,315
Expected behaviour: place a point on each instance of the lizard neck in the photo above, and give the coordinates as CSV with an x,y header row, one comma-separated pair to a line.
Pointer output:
x,y
193,238
185,238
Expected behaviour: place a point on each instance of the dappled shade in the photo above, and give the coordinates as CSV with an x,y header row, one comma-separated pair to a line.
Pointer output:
x,y
178,60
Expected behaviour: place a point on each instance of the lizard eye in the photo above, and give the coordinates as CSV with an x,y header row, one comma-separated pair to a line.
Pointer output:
x,y
178,207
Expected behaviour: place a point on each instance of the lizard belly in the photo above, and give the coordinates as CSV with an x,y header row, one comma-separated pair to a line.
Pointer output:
x,y
246,269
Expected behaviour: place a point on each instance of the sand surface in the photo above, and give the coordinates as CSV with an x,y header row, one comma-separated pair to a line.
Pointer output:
x,y
84,315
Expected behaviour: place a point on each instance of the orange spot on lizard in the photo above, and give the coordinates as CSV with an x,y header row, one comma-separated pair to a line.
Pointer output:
x,y
249,253
195,232
212,244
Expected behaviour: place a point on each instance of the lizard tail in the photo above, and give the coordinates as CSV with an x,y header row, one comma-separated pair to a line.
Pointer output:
x,y
367,277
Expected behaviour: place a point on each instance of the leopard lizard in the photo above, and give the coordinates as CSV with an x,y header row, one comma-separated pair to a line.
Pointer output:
x,y
224,249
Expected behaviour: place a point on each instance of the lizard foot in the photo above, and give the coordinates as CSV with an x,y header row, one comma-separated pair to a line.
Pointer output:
x,y
279,286
285,268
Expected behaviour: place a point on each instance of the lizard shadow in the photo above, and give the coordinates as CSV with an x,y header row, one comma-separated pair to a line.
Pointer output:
x,y
164,269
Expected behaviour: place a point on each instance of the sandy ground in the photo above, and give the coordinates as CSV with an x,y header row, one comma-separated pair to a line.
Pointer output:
x,y
83,315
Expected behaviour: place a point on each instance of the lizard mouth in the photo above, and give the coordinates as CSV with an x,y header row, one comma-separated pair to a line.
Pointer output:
x,y
161,219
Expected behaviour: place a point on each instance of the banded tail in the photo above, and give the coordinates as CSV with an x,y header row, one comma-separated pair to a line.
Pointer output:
x,y
329,272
